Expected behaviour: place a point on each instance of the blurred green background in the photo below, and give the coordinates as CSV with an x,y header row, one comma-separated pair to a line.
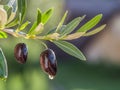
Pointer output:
x,y
72,74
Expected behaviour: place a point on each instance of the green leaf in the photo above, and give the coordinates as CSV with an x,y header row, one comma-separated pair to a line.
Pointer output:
x,y
62,21
95,30
3,66
90,24
64,27
73,36
13,23
11,17
47,15
22,9
54,30
51,31
70,26
39,16
24,25
36,29
32,28
70,49
3,34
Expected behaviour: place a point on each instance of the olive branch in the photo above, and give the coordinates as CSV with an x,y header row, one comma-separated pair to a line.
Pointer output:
x,y
12,22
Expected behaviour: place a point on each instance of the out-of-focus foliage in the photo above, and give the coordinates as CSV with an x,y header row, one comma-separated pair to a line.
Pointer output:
x,y
4,2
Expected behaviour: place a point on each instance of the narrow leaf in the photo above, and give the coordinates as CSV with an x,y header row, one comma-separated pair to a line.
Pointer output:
x,y
39,16
70,49
64,27
11,17
36,29
22,9
13,23
3,66
51,31
3,34
74,36
62,21
32,28
24,25
70,26
54,30
95,30
90,24
46,16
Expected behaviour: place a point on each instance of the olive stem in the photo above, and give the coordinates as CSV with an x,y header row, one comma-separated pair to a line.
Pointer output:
x,y
26,36
21,34
13,33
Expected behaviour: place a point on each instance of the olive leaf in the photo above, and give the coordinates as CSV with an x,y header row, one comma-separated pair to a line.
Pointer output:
x,y
62,21
39,16
22,9
71,26
73,36
3,34
90,24
12,23
32,28
70,49
11,17
95,30
46,16
36,29
3,66
23,26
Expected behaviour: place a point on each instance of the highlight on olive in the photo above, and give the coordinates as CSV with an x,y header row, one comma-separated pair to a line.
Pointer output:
x,y
48,62
21,52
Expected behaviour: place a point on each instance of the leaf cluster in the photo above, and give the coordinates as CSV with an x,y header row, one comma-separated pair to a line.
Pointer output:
x,y
60,35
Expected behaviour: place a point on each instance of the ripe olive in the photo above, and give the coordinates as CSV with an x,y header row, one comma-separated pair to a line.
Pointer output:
x,y
48,62
21,52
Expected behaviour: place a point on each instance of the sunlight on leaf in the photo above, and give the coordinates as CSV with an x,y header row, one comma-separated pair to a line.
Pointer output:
x,y
24,25
47,15
3,34
39,16
90,24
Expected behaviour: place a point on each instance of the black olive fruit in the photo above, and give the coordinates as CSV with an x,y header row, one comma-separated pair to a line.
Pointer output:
x,y
21,52
48,62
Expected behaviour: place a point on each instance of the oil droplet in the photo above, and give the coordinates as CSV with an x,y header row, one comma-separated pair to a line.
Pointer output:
x,y
51,77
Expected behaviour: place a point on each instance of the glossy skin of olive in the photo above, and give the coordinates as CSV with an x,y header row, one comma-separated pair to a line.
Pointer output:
x,y
21,52
48,62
